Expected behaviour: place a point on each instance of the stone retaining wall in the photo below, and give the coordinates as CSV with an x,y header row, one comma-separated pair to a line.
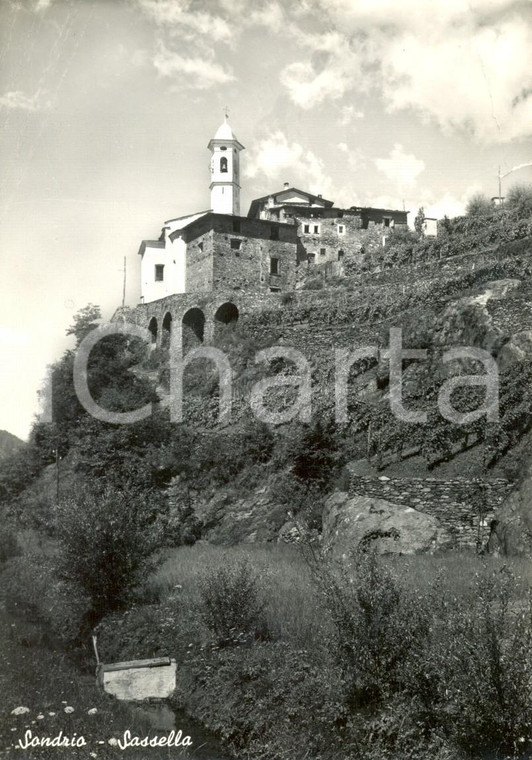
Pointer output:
x,y
465,507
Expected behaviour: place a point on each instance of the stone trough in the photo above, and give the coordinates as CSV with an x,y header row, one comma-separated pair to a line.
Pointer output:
x,y
138,680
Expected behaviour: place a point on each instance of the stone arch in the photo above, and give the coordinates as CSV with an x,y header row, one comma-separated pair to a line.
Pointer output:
x,y
152,327
166,330
225,318
226,313
193,328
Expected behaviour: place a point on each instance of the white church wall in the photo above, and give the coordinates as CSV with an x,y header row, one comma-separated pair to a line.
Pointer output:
x,y
173,259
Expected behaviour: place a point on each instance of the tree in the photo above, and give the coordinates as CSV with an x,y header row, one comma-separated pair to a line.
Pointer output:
x,y
419,220
316,458
478,205
519,199
106,543
85,321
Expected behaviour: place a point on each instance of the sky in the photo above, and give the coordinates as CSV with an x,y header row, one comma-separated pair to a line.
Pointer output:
x,y
107,107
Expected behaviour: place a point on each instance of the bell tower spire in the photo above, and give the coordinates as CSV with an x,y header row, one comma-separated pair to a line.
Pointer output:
x,y
225,170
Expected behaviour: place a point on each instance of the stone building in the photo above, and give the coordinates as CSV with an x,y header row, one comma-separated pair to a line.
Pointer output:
x,y
325,232
208,262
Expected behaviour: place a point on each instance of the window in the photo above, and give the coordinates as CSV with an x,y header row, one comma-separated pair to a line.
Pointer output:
x,y
159,272
387,221
236,225
275,290
274,233
311,259
223,165
340,255
316,229
341,229
200,246
274,266
235,244
323,251
306,228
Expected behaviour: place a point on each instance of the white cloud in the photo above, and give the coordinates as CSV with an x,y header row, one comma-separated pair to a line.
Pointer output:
x,y
187,42
400,167
18,100
347,114
448,205
199,73
42,5
271,16
353,157
463,63
485,72
277,159
329,74
178,17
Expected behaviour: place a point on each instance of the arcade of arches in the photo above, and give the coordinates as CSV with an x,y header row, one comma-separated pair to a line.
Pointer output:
x,y
196,327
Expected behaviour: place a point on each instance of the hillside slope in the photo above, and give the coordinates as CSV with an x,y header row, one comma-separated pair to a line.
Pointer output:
x,y
9,444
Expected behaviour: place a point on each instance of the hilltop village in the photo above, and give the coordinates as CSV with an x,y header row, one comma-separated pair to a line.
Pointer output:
x,y
235,259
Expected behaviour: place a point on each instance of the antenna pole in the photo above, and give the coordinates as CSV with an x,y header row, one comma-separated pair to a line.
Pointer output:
x,y
124,286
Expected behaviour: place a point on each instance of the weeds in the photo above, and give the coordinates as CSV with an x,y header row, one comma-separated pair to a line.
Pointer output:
x,y
232,604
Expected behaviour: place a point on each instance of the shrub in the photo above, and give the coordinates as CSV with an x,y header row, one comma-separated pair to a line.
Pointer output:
x,y
479,205
316,458
106,539
183,526
483,654
519,200
379,626
232,605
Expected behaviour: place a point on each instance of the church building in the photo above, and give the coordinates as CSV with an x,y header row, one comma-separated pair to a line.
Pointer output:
x,y
283,234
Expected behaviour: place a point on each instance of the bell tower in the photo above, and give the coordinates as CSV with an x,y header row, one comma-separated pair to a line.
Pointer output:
x,y
225,170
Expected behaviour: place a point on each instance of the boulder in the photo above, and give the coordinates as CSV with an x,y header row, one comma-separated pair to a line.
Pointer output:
x,y
513,519
517,349
352,521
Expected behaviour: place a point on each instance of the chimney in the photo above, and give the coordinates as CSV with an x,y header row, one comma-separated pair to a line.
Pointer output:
x,y
286,185
320,195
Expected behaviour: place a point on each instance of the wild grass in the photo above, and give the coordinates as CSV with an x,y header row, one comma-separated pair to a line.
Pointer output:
x,y
292,601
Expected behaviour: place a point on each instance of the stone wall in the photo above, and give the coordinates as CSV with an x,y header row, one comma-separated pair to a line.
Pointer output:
x,y
464,507
235,253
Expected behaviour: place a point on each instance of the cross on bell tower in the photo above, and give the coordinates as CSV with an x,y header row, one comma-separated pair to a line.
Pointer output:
x,y
225,169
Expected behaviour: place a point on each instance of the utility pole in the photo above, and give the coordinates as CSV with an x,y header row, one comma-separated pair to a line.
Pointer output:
x,y
57,460
502,176
124,285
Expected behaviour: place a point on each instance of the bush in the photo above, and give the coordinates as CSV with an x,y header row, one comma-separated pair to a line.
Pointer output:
x,y
519,200
106,539
482,653
479,205
379,627
232,605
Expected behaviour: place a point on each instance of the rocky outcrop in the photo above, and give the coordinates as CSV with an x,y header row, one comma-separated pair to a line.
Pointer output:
x,y
517,349
227,518
350,522
468,322
512,527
